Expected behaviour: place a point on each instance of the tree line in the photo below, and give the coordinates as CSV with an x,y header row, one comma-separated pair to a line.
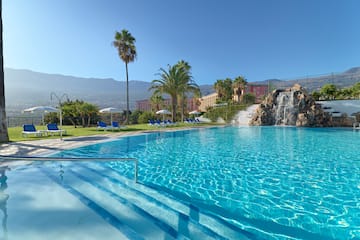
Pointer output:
x,y
233,91
177,82
331,92
76,113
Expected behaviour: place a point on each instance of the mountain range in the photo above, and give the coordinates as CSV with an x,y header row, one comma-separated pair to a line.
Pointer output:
x,y
314,83
25,88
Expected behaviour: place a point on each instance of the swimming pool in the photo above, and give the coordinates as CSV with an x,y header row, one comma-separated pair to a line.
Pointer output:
x,y
218,183
272,181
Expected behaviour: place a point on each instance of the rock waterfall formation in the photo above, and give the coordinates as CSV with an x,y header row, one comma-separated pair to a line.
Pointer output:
x,y
293,106
243,117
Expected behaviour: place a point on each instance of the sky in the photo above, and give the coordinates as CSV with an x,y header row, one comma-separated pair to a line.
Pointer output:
x,y
257,39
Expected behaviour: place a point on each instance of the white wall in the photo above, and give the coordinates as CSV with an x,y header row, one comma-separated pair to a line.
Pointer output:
x,y
343,106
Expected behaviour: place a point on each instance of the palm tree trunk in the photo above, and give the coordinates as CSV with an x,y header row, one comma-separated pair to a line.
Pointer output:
x,y
182,107
72,122
83,121
89,120
4,136
173,110
127,94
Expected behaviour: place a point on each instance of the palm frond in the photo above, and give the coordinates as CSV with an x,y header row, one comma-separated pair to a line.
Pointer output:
x,y
125,44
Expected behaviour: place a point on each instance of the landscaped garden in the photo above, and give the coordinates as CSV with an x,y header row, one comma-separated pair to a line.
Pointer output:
x,y
15,133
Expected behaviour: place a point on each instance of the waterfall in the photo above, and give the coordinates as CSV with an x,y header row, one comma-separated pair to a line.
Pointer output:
x,y
243,117
293,106
286,110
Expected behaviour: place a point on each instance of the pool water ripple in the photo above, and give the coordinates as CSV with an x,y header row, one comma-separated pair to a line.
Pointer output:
x,y
281,181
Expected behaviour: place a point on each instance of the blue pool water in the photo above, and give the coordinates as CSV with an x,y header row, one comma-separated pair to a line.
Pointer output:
x,y
275,182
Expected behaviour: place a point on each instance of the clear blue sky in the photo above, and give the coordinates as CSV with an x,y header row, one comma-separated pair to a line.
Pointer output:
x,y
259,39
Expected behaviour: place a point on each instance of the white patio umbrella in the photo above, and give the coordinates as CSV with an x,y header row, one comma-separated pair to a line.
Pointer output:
x,y
110,110
163,112
42,110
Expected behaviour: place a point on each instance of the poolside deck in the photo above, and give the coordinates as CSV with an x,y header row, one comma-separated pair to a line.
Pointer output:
x,y
46,146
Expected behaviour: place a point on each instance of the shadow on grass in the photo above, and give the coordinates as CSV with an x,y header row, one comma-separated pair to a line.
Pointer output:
x,y
34,138
131,129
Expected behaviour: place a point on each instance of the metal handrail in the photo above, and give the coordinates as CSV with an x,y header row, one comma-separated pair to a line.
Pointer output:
x,y
28,158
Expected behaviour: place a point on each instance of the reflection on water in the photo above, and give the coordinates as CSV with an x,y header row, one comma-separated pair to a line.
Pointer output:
x,y
61,172
3,199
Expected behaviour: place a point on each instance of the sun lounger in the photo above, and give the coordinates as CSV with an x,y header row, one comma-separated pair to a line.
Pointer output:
x,y
153,123
103,126
169,123
52,129
29,129
189,120
160,123
115,125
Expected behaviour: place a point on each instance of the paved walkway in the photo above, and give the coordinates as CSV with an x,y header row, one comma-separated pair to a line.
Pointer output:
x,y
43,147
46,146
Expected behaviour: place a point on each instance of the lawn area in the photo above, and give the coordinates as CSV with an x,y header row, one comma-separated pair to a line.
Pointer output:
x,y
15,133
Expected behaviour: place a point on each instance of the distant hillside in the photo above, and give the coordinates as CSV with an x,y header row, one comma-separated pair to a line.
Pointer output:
x,y
341,80
25,88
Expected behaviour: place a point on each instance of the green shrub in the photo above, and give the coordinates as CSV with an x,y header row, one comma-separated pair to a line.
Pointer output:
x,y
134,116
226,112
145,116
249,98
51,118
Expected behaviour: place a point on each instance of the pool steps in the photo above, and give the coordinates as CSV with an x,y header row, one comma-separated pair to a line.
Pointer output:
x,y
149,213
106,215
181,210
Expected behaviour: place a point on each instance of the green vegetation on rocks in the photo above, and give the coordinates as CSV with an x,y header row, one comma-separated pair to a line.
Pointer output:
x,y
227,112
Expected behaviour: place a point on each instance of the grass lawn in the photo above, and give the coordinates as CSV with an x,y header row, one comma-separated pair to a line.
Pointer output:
x,y
15,133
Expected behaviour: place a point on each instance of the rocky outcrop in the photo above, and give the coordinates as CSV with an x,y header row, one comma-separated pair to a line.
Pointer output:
x,y
293,106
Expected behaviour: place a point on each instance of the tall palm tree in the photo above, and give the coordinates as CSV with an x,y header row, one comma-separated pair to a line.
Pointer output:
x,y
156,101
219,88
185,65
224,89
188,86
239,85
4,136
125,44
173,81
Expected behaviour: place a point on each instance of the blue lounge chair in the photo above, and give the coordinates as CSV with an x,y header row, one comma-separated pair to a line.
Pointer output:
x,y
189,120
160,123
169,123
102,126
152,122
117,126
52,128
29,129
